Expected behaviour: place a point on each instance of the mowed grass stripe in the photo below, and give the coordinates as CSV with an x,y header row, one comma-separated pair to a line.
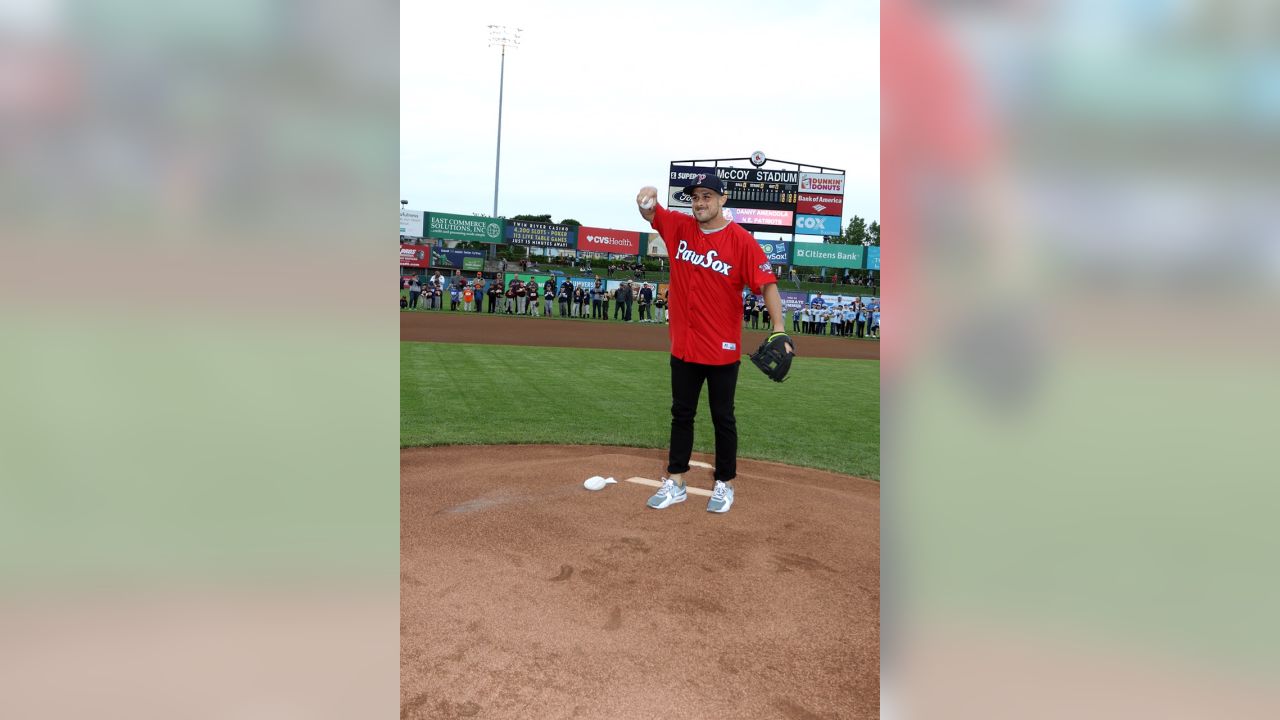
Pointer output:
x,y
826,415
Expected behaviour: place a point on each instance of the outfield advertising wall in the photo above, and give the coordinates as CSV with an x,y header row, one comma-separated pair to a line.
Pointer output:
x,y
778,251
873,257
827,255
411,223
793,300
545,235
830,299
457,259
466,228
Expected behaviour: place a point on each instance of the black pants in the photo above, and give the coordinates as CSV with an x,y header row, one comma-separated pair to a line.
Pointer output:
x,y
644,311
686,386
626,312
595,309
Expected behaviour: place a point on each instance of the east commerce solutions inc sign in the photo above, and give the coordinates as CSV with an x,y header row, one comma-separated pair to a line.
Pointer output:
x,y
465,228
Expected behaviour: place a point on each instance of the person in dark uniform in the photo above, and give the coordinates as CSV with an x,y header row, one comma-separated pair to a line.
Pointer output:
x,y
566,294
646,301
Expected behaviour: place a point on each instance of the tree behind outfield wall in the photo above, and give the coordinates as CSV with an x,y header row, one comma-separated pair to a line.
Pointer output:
x,y
873,233
854,234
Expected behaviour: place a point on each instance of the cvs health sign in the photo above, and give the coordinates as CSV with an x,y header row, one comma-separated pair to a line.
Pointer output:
x,y
622,242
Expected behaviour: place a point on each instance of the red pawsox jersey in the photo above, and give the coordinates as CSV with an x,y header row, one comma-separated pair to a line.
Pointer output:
x,y
708,272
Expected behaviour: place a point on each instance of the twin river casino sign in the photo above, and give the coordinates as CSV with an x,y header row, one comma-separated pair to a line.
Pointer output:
x,y
540,234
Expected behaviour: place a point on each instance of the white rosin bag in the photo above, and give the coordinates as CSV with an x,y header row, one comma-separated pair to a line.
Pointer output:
x,y
595,482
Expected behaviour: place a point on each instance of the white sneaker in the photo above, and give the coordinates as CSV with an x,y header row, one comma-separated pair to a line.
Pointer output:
x,y
721,498
669,494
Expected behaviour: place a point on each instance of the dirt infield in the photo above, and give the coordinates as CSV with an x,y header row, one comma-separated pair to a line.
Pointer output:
x,y
523,595
483,328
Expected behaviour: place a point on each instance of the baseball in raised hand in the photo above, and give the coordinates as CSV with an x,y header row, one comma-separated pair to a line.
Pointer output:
x,y
647,197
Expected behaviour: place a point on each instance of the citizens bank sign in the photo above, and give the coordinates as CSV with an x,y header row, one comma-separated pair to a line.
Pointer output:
x,y
827,255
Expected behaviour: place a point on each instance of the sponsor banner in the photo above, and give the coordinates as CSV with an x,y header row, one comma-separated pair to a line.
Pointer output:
x,y
593,239
467,228
823,184
677,198
815,204
540,234
683,175
776,250
758,216
457,259
873,257
793,300
416,256
583,282
817,225
411,223
653,245
827,255
770,216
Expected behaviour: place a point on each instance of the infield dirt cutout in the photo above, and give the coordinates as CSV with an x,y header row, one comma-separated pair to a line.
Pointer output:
x,y
524,595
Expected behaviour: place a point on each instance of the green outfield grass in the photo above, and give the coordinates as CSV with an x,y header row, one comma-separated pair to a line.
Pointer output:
x,y
827,414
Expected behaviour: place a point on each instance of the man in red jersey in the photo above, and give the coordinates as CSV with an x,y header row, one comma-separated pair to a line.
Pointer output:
x,y
712,259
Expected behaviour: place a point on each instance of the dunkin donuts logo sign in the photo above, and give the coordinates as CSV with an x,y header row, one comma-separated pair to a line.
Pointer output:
x,y
708,261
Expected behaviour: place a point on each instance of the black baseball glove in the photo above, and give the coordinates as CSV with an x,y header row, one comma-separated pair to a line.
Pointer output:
x,y
773,358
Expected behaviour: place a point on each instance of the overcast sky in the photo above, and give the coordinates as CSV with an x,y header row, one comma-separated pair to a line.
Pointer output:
x,y
597,102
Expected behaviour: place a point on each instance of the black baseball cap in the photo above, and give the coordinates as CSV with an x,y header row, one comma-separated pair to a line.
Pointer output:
x,y
708,181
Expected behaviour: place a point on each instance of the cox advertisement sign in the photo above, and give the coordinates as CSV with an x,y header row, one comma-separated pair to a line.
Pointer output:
x,y
776,250
873,257
822,184
817,225
592,239
815,204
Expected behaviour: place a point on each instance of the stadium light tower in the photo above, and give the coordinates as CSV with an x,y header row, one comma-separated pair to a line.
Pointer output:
x,y
503,37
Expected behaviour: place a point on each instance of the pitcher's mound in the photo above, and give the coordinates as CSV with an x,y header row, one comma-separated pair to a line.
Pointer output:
x,y
524,595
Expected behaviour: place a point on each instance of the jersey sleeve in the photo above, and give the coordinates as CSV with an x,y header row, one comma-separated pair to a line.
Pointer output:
x,y
666,222
758,271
